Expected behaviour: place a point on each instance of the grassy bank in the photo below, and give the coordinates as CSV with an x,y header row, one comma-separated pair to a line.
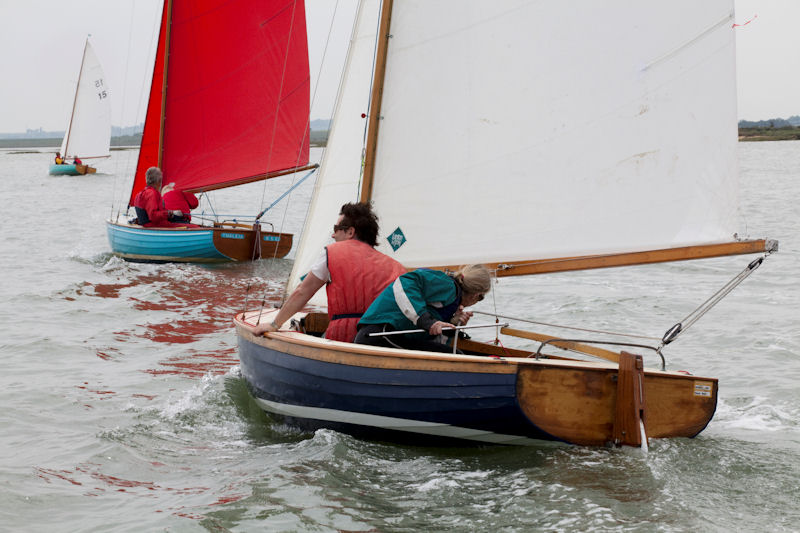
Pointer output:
x,y
788,133
55,142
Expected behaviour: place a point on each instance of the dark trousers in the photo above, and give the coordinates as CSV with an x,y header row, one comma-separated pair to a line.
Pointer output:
x,y
398,341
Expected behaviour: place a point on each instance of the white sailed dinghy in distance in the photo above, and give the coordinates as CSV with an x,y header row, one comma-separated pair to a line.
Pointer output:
x,y
88,134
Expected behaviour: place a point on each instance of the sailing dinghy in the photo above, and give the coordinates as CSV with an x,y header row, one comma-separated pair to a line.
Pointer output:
x,y
533,138
88,134
229,105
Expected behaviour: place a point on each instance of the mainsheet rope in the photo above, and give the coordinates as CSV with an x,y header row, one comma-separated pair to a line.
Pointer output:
x,y
497,341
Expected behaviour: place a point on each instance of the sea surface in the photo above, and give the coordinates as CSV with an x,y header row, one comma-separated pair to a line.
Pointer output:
x,y
123,408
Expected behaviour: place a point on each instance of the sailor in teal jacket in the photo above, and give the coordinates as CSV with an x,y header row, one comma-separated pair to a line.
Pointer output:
x,y
423,299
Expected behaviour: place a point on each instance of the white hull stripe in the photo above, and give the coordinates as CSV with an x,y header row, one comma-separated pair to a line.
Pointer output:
x,y
397,424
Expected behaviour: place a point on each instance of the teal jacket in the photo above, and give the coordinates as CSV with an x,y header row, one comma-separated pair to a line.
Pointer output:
x,y
415,300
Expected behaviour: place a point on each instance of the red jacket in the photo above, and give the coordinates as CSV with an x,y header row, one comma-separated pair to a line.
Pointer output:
x,y
359,273
184,201
150,200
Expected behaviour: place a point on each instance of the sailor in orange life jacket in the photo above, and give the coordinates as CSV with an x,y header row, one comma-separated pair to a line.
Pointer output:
x,y
59,159
354,271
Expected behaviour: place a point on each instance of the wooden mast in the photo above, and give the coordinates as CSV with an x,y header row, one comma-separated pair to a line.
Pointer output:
x,y
74,102
376,100
164,85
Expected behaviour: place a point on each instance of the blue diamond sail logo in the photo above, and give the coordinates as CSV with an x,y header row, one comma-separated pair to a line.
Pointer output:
x,y
396,239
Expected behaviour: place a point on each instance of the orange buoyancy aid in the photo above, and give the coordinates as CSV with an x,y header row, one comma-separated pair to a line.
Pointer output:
x,y
359,273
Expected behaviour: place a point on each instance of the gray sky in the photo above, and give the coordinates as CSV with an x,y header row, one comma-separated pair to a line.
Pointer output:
x,y
41,42
41,46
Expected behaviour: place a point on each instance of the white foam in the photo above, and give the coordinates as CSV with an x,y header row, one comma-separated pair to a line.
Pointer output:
x,y
758,415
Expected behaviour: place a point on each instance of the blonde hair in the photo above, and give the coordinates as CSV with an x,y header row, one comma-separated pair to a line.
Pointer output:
x,y
474,279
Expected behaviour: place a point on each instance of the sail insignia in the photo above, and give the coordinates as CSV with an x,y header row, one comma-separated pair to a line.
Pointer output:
x,y
396,239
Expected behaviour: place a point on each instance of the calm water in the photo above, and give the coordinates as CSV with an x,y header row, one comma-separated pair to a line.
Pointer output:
x,y
123,408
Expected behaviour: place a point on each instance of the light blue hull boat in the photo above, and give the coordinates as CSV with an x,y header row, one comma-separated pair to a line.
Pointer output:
x,y
205,244
71,170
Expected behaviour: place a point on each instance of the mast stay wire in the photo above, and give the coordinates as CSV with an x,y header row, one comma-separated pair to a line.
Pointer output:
x,y
275,127
713,300
561,326
283,219
369,101
125,98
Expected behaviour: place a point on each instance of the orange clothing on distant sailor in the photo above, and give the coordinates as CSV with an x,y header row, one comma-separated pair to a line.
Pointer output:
x,y
359,273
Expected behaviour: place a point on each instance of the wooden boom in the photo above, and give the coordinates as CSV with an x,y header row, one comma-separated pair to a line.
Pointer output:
x,y
567,264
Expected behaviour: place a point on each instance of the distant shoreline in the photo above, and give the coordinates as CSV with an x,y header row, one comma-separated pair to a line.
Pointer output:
x,y
124,141
320,139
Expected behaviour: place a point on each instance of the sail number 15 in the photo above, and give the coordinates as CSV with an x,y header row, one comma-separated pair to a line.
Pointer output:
x,y
101,91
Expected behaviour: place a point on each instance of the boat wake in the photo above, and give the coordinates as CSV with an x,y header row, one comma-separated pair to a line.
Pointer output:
x,y
757,414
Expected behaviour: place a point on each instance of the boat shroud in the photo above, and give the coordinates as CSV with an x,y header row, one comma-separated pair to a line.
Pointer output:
x,y
589,153
228,110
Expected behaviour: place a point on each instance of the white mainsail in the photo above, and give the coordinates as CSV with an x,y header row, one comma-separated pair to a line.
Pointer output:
x,y
88,134
517,130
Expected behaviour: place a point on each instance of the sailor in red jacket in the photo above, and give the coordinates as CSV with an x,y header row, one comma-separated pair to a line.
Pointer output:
x,y
355,273
178,200
149,206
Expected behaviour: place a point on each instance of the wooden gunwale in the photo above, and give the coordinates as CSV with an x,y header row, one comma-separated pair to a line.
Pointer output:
x,y
319,349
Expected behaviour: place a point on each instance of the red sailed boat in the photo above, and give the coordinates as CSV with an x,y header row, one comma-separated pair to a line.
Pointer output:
x,y
229,105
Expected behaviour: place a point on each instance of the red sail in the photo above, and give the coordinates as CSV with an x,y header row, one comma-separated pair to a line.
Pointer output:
x,y
235,103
